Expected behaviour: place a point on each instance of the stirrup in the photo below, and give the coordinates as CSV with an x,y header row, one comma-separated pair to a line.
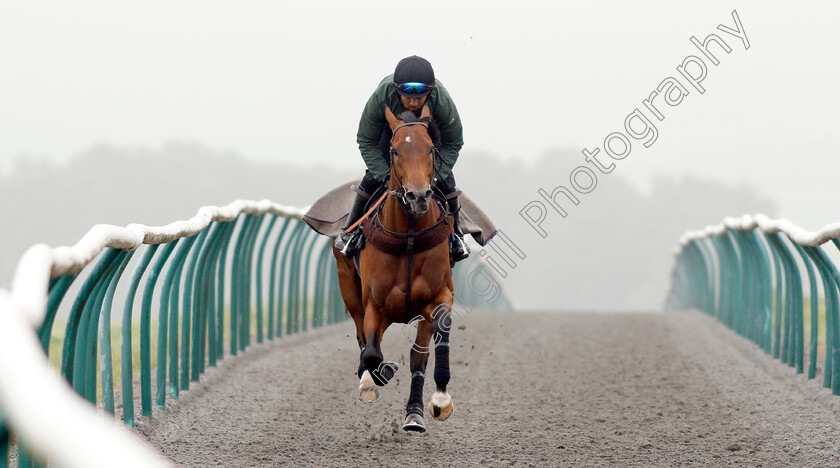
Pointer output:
x,y
459,250
345,242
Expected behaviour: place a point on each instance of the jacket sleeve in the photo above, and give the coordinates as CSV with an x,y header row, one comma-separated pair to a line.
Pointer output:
x,y
371,125
451,131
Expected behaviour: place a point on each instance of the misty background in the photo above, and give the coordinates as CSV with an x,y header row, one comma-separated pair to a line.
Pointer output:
x,y
118,114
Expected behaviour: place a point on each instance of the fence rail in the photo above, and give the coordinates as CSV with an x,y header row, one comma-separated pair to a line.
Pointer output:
x,y
750,272
230,275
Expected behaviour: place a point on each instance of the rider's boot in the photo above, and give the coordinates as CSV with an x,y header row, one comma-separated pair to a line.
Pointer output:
x,y
458,249
346,241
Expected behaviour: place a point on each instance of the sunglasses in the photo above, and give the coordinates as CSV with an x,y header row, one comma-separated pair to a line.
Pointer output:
x,y
413,87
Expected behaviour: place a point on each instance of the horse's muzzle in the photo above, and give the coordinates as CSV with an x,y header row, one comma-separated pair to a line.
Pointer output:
x,y
418,201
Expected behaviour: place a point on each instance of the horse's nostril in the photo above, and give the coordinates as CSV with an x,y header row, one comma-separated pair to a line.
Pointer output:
x,y
428,194
411,196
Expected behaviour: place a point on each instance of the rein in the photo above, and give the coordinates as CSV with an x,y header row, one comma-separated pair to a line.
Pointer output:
x,y
365,216
411,234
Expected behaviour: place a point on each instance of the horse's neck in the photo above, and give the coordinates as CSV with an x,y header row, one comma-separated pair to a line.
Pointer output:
x,y
394,217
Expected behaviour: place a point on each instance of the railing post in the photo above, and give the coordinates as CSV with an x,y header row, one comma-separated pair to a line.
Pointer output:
x,y
259,289
814,300
273,297
106,363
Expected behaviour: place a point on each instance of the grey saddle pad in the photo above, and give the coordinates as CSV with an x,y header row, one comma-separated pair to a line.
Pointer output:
x,y
327,215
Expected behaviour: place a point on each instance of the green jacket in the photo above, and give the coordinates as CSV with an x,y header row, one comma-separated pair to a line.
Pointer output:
x,y
373,123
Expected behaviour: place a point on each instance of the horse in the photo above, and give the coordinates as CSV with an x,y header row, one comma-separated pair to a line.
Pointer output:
x,y
409,280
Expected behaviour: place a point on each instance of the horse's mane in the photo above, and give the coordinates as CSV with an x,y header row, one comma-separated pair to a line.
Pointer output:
x,y
434,133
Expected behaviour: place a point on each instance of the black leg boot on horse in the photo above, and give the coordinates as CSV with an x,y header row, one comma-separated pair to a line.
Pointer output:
x,y
441,406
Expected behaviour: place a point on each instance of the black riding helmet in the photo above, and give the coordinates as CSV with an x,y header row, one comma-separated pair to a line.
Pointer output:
x,y
414,77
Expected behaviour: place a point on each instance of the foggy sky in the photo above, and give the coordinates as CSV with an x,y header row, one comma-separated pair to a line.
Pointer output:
x,y
287,82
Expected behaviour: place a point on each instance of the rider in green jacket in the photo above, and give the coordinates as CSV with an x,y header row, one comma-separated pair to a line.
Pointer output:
x,y
412,86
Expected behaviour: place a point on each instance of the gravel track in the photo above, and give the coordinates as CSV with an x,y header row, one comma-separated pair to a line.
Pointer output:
x,y
530,389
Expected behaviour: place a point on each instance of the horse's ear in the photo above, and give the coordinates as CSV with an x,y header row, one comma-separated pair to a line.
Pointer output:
x,y
392,119
426,112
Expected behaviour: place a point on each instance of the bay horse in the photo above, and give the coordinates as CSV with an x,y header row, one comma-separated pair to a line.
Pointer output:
x,y
404,273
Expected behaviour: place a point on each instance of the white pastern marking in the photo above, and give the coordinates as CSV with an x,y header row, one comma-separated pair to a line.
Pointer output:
x,y
441,400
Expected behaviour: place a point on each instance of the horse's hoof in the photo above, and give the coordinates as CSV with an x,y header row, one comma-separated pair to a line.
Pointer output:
x,y
414,423
385,373
368,392
441,406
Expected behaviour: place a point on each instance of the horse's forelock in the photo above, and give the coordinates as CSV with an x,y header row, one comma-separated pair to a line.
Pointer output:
x,y
408,116
434,133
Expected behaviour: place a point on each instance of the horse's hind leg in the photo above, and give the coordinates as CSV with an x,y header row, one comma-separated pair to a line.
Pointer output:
x,y
441,405
350,286
419,359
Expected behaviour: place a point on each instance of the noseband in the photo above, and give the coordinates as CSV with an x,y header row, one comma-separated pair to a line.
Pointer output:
x,y
401,192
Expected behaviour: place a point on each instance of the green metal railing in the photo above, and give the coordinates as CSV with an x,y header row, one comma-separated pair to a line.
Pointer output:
x,y
259,275
750,274
187,292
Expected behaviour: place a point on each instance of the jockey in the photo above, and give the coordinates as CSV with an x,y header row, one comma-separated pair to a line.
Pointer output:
x,y
412,86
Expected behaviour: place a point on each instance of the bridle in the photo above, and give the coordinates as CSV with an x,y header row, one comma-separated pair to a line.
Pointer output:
x,y
400,194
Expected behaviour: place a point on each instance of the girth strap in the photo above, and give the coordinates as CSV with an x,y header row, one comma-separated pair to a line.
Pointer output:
x,y
410,251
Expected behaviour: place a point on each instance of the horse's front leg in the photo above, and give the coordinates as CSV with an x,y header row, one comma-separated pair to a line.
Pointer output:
x,y
368,391
419,359
441,405
351,292
379,370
